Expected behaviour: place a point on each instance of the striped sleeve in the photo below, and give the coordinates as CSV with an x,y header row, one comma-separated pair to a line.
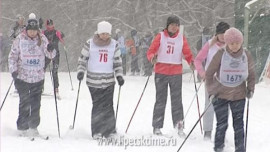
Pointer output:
x,y
117,62
84,57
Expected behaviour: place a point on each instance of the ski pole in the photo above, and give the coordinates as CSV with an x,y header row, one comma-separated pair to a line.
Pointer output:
x,y
246,124
56,108
6,94
77,100
68,68
55,99
192,100
50,69
211,102
137,103
198,104
117,103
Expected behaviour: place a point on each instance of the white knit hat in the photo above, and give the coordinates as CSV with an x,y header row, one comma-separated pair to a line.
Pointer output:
x,y
104,27
117,31
32,16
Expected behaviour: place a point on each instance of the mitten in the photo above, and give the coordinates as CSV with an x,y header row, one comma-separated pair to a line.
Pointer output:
x,y
80,76
192,66
212,98
154,60
120,80
249,94
14,75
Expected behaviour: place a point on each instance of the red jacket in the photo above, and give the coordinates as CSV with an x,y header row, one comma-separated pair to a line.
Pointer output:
x,y
164,68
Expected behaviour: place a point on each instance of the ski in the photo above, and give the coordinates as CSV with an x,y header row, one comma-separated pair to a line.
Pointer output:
x,y
163,135
43,95
39,137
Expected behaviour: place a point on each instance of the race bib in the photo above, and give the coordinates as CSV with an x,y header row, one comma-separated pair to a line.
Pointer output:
x,y
233,71
31,55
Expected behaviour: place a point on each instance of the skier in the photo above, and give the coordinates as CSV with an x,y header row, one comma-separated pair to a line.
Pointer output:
x,y
166,52
206,54
205,37
121,43
145,44
26,64
18,27
135,52
54,36
230,78
101,58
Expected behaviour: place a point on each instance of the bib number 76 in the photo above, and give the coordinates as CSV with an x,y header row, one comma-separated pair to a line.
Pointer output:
x,y
103,57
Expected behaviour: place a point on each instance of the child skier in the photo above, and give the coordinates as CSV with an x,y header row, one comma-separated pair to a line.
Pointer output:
x,y
230,78
26,64
54,36
101,58
18,27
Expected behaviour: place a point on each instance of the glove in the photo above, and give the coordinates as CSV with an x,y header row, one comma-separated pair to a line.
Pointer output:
x,y
62,35
120,80
192,66
80,76
212,98
14,75
249,94
50,47
154,60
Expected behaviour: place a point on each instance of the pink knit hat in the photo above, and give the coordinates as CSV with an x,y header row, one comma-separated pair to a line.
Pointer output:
x,y
233,35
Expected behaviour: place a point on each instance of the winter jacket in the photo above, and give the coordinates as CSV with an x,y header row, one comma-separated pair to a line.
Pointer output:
x,y
26,64
131,46
202,56
97,79
54,36
214,87
169,69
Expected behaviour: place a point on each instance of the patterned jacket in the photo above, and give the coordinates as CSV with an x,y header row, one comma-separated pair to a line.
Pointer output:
x,y
26,53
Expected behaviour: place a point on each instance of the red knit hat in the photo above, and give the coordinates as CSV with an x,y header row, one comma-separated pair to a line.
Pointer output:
x,y
233,35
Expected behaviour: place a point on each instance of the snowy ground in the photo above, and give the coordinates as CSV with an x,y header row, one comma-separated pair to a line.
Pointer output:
x,y
139,136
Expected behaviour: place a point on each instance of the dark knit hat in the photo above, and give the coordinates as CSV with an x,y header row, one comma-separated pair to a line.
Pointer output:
x,y
32,24
172,19
222,27
133,32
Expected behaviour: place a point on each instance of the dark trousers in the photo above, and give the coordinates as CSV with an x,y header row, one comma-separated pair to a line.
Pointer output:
x,y
135,61
54,68
29,107
175,84
103,118
221,107
148,68
124,63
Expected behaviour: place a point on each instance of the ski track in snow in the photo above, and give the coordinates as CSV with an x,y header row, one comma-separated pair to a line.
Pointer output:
x,y
79,139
